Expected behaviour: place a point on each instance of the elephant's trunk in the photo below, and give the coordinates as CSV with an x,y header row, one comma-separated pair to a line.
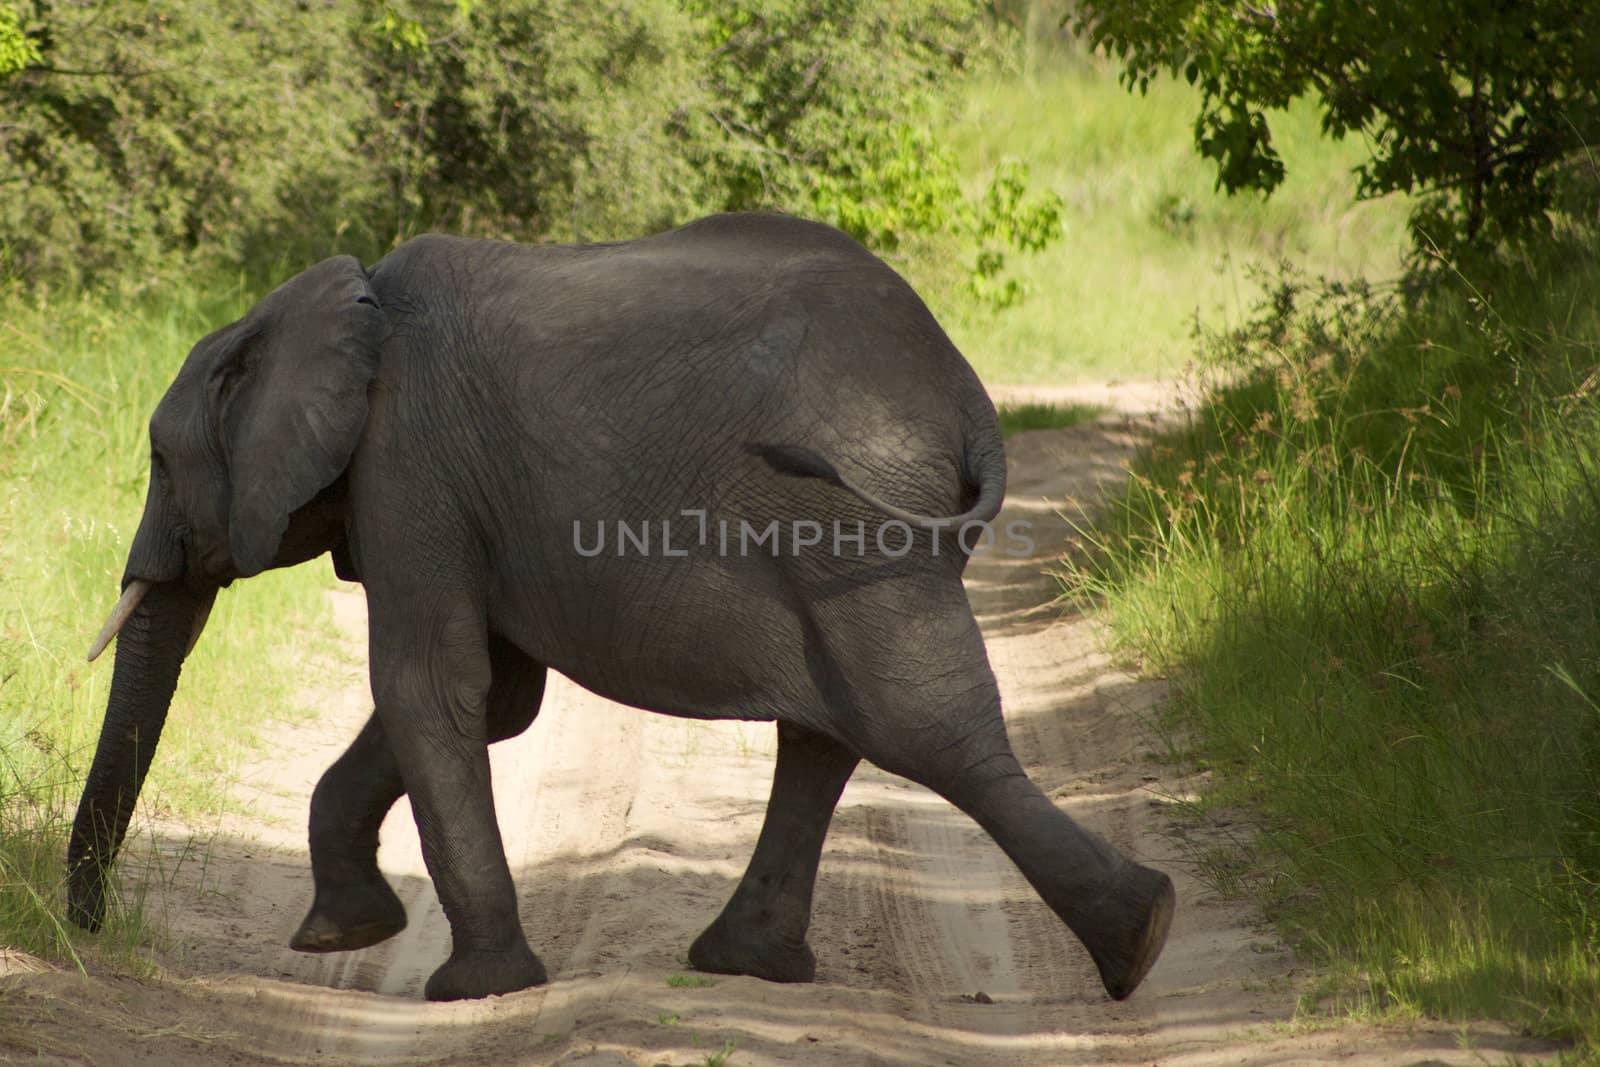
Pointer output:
x,y
150,653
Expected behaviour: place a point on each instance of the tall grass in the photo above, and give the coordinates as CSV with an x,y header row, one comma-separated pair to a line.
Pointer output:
x,y
1150,244
79,377
1370,565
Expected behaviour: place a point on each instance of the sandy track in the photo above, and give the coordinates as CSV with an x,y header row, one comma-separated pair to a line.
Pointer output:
x,y
627,832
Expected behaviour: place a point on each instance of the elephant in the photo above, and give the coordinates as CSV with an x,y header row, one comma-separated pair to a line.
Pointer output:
x,y
446,423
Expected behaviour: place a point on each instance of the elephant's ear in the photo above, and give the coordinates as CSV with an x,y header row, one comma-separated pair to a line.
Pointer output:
x,y
290,398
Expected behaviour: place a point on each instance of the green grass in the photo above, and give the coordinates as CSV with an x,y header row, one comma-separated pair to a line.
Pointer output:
x,y
79,377
690,981
1149,242
1015,418
1370,568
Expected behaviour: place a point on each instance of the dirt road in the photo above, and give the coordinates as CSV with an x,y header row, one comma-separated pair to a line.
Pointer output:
x,y
627,832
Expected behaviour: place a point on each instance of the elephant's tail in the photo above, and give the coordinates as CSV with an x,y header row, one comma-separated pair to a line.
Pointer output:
x,y
802,462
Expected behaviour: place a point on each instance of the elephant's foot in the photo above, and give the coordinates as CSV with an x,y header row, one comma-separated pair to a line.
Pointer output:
x,y
755,950
350,917
1134,930
467,975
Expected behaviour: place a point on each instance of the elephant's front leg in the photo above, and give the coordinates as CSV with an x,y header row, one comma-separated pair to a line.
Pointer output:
x,y
762,931
354,907
431,675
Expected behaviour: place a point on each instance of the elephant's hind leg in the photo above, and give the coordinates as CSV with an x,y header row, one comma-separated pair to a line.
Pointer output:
x,y
929,709
1119,909
762,931
354,906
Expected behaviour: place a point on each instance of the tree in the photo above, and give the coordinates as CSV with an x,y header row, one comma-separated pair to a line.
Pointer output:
x,y
825,107
251,134
1483,106
17,50
561,119
134,131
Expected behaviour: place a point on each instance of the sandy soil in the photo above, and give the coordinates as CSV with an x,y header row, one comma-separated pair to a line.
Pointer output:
x,y
627,832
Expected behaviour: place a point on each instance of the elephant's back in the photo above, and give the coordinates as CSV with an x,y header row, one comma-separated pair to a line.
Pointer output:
x,y
672,353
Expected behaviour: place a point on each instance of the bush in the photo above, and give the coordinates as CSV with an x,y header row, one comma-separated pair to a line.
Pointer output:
x,y
255,136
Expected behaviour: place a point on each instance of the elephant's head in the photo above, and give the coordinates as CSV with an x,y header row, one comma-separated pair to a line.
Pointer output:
x,y
247,455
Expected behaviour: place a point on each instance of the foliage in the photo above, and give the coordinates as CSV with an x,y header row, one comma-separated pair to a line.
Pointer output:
x,y
1481,103
1008,218
1367,562
141,130
824,102
137,133
16,49
532,119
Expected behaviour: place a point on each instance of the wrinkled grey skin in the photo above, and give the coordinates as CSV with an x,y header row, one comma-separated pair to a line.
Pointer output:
x,y
441,421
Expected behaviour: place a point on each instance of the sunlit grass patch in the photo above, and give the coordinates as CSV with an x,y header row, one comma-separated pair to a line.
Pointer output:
x,y
1149,243
1015,418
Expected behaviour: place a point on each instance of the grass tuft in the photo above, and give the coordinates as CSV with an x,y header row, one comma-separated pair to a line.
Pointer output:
x,y
1015,418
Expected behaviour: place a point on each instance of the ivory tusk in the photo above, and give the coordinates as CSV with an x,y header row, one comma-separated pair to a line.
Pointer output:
x,y
119,615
